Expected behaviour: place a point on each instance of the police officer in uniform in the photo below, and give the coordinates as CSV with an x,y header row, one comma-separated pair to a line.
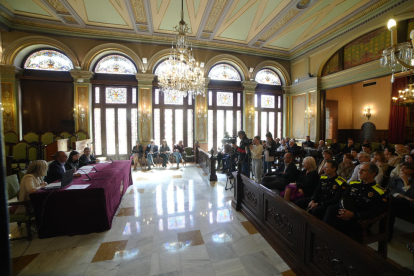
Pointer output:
x,y
362,200
329,191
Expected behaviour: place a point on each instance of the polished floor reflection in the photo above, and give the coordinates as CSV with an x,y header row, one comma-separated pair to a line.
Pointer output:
x,y
170,222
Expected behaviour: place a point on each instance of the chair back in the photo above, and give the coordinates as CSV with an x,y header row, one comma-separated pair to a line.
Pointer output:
x,y
13,186
188,151
65,135
11,137
19,151
81,135
31,152
47,138
31,137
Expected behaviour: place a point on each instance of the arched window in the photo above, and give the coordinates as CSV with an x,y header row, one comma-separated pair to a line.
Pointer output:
x,y
48,60
162,67
267,76
224,72
115,64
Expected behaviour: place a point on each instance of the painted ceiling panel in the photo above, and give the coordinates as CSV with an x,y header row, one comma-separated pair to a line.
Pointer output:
x,y
159,4
239,5
288,39
173,16
103,11
270,7
337,12
318,6
27,6
240,28
196,6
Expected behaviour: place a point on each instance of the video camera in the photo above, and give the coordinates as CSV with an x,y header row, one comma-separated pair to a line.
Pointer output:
x,y
229,140
246,143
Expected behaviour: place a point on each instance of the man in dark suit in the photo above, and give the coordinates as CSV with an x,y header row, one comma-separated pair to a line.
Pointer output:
x,y
87,158
308,143
277,140
57,167
346,149
150,152
286,173
292,148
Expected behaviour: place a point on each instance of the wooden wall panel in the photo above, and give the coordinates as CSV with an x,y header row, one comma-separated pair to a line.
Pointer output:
x,y
47,106
355,134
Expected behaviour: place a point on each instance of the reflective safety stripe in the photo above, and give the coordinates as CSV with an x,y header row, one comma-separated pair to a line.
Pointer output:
x,y
324,177
339,182
378,189
354,182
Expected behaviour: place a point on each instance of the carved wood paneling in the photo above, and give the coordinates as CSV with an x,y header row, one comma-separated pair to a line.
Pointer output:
x,y
7,105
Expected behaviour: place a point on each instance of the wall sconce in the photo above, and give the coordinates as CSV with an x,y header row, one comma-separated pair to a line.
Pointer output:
x,y
309,113
144,113
201,113
367,112
250,113
80,111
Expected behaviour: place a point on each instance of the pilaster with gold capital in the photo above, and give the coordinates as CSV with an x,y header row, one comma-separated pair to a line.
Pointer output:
x,y
145,126
82,100
248,114
9,97
201,119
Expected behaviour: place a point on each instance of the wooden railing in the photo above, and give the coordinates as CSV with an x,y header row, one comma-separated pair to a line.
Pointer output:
x,y
207,163
308,245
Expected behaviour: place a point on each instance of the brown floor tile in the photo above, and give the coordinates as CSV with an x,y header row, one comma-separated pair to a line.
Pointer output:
x,y
126,211
142,178
107,250
177,176
204,174
249,227
22,263
288,273
191,238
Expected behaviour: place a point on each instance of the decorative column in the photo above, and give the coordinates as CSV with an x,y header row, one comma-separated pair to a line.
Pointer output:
x,y
8,97
201,118
145,126
82,101
248,114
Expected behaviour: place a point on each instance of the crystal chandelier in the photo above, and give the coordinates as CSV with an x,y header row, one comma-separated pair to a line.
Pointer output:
x,y
401,53
183,75
405,97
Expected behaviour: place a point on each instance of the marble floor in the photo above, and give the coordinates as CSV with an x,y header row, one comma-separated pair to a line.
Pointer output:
x,y
170,222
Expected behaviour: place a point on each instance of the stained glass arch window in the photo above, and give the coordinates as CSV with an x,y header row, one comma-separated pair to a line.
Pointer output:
x,y
224,72
115,64
267,76
48,60
162,67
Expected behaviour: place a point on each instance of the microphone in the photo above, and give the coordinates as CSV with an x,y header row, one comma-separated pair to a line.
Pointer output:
x,y
111,159
89,178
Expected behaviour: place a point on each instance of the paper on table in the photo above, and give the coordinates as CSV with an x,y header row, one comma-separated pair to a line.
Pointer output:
x,y
87,167
77,187
57,184
82,172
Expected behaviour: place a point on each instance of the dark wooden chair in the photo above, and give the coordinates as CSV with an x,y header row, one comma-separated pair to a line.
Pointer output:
x,y
189,154
298,159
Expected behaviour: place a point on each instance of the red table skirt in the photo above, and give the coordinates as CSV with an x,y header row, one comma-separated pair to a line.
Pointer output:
x,y
77,212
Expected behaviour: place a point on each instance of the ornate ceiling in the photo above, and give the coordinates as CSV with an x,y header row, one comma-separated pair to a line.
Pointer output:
x,y
280,28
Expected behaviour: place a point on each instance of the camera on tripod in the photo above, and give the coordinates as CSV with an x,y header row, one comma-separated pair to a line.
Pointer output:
x,y
229,140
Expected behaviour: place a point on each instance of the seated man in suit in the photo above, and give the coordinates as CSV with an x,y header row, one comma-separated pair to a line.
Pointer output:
x,y
150,152
362,200
277,140
87,158
57,168
346,149
286,173
368,149
335,147
364,157
329,192
292,148
308,143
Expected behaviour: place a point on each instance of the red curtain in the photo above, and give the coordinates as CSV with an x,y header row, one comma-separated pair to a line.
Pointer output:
x,y
397,114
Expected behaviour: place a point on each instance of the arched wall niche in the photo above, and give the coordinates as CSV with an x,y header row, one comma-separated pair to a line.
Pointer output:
x,y
18,50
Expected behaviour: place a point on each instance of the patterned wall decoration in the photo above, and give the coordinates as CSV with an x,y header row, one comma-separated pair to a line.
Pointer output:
x,y
312,124
298,120
366,48
145,131
7,105
249,120
332,65
279,24
201,124
82,100
57,6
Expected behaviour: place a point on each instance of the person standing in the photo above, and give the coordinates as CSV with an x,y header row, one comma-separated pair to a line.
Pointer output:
x,y
256,150
269,154
242,152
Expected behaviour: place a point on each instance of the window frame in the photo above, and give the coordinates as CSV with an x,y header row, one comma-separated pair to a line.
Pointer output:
x,y
114,54
44,49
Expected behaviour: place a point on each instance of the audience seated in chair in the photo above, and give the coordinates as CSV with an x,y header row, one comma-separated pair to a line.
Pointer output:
x,y
150,152
346,168
178,152
165,153
384,144
335,147
354,153
57,167
327,193
393,159
367,149
283,146
308,143
223,157
402,189
381,161
73,161
409,147
306,183
286,173
327,155
31,182
364,199
87,158
322,146
346,149
364,157
401,150
137,153
292,148
277,141
408,158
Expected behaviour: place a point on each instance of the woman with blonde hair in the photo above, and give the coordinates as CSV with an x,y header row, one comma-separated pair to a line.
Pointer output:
x,y
306,183
31,182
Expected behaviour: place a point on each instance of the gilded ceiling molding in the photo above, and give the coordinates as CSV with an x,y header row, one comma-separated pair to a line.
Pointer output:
x,y
226,58
94,54
279,24
139,11
58,6
275,66
215,15
13,50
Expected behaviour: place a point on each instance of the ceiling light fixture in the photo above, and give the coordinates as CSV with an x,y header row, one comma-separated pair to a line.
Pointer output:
x,y
183,75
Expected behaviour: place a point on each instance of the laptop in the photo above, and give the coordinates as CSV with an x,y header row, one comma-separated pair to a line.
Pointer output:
x,y
67,179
